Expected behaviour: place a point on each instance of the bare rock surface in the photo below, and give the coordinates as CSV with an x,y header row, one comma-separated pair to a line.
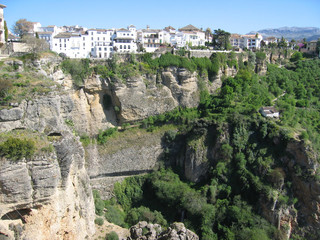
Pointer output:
x,y
148,231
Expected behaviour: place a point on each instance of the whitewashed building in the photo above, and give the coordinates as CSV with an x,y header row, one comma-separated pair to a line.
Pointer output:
x,y
100,42
72,44
193,36
246,41
269,112
47,33
125,40
150,39
2,37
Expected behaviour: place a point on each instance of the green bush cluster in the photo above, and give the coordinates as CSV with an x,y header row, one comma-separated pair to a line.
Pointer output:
x,y
99,221
16,148
204,65
112,236
79,70
104,135
143,213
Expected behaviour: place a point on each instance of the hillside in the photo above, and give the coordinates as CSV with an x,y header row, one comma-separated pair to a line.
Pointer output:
x,y
297,33
160,140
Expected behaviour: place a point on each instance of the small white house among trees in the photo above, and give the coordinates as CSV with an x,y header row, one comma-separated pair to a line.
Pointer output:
x,y
269,112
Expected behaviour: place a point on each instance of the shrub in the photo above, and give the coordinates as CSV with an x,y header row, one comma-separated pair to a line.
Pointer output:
x,y
170,135
5,86
79,70
16,148
260,56
104,135
296,57
115,215
98,203
112,236
99,221
145,214
85,140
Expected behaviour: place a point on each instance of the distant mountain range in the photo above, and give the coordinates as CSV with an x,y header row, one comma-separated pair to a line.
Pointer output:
x,y
297,33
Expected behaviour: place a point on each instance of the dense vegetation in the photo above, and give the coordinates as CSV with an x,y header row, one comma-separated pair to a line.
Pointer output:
x,y
19,82
227,203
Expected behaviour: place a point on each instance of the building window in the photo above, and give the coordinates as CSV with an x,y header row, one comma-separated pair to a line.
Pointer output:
x,y
128,46
125,47
120,46
98,38
84,44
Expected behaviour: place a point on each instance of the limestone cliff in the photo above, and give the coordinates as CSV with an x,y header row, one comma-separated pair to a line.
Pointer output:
x,y
50,194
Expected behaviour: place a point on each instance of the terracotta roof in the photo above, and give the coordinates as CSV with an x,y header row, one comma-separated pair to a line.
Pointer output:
x,y
66,35
45,32
97,29
151,30
123,30
169,28
190,28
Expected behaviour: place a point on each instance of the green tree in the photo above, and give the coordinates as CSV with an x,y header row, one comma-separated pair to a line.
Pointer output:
x,y
296,57
208,33
221,39
318,47
22,27
35,45
283,43
6,34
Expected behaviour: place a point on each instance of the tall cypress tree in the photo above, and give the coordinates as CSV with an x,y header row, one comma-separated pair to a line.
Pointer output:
x,y
5,31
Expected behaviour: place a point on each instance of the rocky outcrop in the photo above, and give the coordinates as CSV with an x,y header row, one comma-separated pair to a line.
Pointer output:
x,y
148,231
303,167
135,152
50,194
144,96
300,168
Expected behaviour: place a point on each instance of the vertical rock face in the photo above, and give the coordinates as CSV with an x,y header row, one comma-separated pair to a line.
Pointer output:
x,y
303,167
50,194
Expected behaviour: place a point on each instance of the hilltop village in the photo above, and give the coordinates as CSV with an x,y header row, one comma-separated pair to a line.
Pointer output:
x,y
81,42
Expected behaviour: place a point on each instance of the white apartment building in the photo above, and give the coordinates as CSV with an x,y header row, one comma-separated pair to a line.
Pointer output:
x,y
150,39
72,44
246,41
100,42
47,33
125,40
192,36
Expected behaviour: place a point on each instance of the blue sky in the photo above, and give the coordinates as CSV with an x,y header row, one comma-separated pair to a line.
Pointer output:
x,y
232,16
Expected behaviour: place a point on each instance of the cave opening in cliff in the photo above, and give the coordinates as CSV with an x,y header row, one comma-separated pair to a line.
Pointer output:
x,y
55,134
17,214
